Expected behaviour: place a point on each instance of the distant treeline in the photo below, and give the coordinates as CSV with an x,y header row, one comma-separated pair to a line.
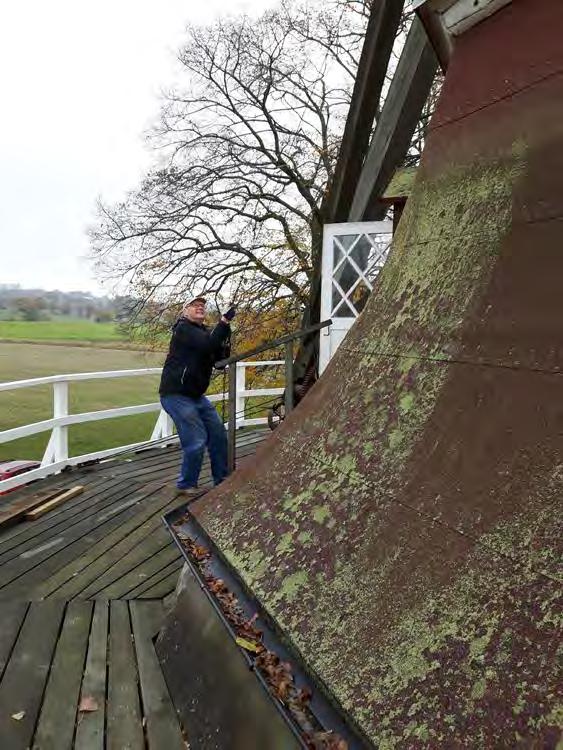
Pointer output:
x,y
17,303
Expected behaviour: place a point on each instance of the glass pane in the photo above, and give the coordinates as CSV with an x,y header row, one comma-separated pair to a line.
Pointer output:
x,y
344,311
347,240
346,276
337,254
360,296
336,297
378,255
361,252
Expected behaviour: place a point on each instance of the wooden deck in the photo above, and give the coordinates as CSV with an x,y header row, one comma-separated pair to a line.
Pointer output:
x,y
60,658
81,598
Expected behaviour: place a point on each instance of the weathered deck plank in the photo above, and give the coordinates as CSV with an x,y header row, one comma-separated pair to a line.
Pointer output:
x,y
33,565
11,616
140,590
70,580
124,727
103,536
97,491
164,587
105,544
166,554
21,688
90,725
55,729
153,542
163,730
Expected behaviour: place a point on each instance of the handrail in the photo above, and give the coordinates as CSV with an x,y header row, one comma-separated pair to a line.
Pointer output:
x,y
236,360
56,456
272,344
76,376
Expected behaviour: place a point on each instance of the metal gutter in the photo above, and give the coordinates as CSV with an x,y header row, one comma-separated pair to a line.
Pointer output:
x,y
327,714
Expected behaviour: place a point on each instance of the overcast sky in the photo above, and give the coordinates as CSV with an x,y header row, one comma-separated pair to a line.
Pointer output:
x,y
80,84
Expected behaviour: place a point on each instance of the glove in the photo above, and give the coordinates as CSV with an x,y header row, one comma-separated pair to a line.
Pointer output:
x,y
230,314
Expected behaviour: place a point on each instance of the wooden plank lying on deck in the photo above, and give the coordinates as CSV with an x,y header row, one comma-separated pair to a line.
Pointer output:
x,y
10,512
97,490
163,730
90,727
59,499
124,728
55,729
22,686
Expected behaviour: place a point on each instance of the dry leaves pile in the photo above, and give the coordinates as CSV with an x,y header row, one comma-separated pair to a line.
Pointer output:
x,y
278,674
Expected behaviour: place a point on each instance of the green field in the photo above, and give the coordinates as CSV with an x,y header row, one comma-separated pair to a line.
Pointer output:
x,y
59,330
20,361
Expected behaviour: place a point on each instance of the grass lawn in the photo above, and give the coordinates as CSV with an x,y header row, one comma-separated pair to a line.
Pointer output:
x,y
59,330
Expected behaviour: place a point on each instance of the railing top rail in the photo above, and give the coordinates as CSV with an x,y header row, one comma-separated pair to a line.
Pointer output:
x,y
263,363
273,344
72,377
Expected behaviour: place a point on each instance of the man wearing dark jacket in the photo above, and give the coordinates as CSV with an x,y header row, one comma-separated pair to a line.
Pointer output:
x,y
186,374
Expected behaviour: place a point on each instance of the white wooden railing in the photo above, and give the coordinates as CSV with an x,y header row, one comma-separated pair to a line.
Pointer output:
x,y
56,455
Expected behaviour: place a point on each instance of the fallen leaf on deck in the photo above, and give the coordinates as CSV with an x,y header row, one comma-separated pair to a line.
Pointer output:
x,y
19,716
248,645
88,704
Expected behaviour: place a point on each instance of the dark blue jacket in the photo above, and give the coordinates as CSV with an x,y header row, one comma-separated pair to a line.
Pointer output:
x,y
193,351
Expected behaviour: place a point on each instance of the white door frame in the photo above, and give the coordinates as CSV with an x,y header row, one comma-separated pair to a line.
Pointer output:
x,y
337,298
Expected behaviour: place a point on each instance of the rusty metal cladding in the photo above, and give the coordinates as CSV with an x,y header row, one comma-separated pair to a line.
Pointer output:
x,y
403,526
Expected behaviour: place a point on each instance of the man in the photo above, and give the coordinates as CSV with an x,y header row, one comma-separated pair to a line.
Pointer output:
x,y
193,351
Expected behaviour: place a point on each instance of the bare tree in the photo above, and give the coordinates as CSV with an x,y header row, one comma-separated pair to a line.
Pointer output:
x,y
245,151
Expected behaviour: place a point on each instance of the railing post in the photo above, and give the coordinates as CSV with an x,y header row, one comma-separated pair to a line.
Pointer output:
x,y
57,448
232,424
288,377
60,409
240,399
164,426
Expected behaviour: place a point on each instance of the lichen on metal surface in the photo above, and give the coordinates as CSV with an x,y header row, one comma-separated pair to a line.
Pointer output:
x,y
402,527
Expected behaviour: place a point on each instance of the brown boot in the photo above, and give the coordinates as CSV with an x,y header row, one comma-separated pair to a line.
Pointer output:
x,y
190,492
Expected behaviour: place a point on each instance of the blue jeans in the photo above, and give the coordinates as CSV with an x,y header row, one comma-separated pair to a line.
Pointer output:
x,y
198,426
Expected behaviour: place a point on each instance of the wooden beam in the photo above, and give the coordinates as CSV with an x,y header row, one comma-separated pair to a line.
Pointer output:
x,y
380,35
391,140
54,503
464,14
15,511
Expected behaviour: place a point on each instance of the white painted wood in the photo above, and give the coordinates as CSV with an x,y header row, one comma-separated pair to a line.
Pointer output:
x,y
29,429
164,426
240,400
92,416
332,268
77,376
464,14
458,16
60,411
